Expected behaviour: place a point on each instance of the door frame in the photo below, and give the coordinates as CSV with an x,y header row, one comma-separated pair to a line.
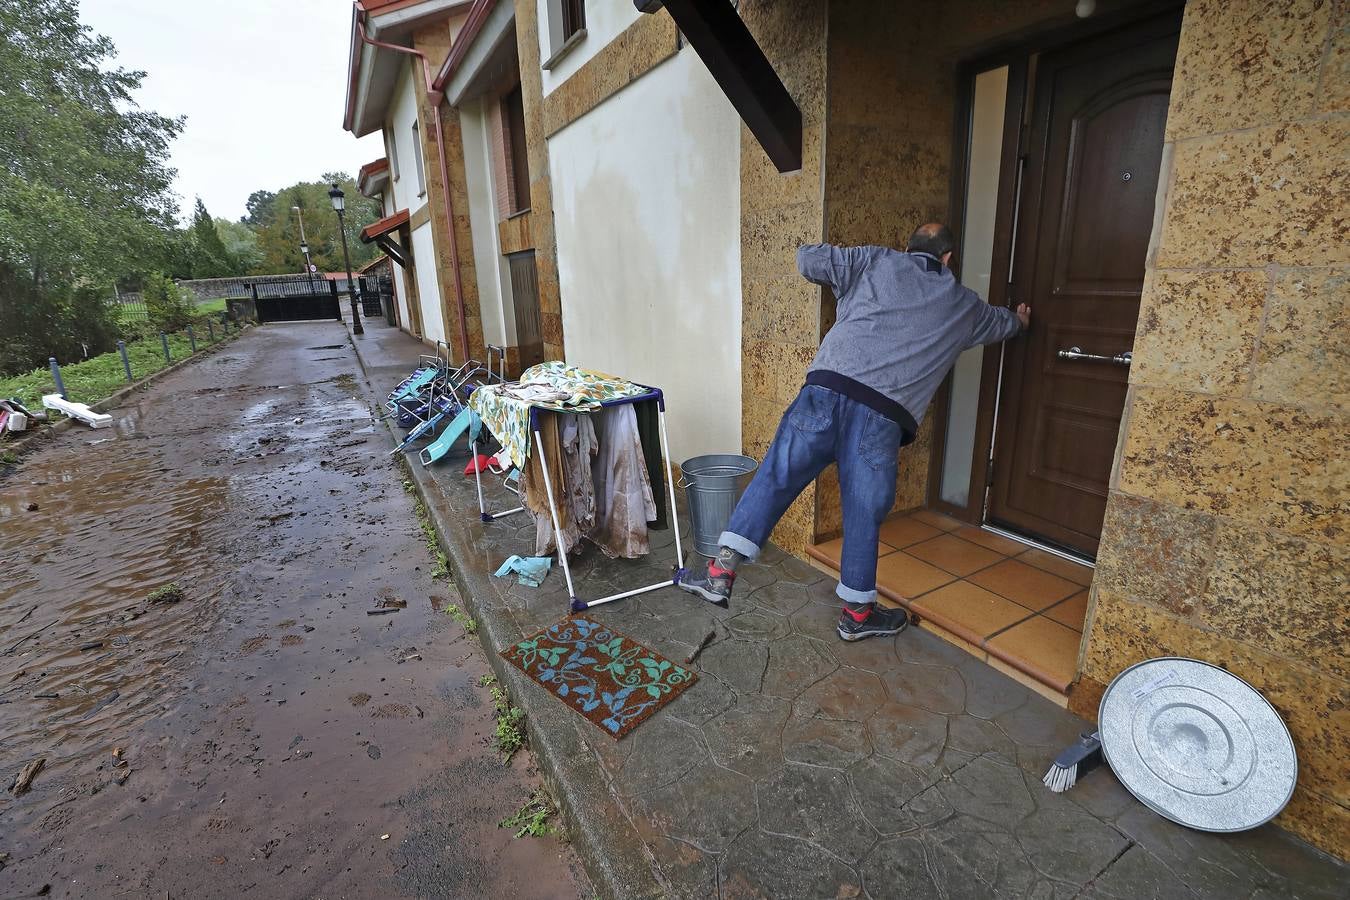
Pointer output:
x,y
1020,56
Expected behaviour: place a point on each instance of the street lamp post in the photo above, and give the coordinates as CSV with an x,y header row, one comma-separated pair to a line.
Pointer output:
x,y
304,247
339,205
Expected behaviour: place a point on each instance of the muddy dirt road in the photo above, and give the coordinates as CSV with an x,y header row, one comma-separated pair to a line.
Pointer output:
x,y
276,739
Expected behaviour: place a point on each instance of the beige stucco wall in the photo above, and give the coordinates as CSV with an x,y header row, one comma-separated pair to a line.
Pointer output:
x,y
1226,531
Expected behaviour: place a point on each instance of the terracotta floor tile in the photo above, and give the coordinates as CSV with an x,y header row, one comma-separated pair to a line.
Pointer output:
x,y
903,576
1032,587
1058,565
903,531
1042,648
1070,612
830,550
936,519
951,553
971,612
990,541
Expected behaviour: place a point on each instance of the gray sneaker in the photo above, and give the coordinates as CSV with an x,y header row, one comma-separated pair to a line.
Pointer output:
x,y
880,621
716,589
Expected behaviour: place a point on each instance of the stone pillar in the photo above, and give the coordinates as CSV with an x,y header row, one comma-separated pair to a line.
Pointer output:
x,y
1226,534
541,183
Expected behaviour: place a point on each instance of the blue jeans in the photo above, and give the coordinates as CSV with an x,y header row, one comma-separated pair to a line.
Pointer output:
x,y
821,427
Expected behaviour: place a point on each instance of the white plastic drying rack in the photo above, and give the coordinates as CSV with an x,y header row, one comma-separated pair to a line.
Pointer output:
x,y
578,605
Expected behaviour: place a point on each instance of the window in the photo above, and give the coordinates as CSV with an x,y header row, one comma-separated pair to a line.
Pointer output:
x,y
566,28
417,157
513,145
391,151
573,17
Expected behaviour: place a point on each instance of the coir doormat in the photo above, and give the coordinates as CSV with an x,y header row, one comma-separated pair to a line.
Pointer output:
x,y
611,679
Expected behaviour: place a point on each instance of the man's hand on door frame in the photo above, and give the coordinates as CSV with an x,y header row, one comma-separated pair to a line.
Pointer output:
x,y
1024,315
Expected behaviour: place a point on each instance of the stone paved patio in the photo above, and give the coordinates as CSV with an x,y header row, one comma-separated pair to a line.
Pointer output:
x,y
802,766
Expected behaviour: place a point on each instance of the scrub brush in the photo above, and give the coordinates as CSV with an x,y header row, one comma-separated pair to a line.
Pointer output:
x,y
1075,760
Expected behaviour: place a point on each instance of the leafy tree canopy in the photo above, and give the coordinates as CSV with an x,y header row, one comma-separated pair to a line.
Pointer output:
x,y
279,240
211,260
84,175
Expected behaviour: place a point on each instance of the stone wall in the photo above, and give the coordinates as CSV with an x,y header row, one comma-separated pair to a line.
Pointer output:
x,y
434,41
212,288
541,186
1226,530
780,312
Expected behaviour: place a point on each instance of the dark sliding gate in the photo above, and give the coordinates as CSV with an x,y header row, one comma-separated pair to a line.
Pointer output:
x,y
302,298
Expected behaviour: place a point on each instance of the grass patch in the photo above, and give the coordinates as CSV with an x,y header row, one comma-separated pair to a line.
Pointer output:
x,y
464,619
429,536
212,306
510,734
9,458
170,593
531,820
99,377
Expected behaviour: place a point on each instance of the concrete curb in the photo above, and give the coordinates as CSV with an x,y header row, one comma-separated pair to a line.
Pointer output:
x,y
616,860
47,432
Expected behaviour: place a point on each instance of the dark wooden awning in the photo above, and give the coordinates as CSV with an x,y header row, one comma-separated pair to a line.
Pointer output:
x,y
715,30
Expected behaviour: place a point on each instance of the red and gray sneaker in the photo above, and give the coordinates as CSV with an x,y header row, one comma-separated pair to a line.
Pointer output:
x,y
712,584
875,621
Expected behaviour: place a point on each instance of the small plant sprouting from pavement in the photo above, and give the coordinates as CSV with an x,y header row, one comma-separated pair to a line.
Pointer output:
x,y
464,619
531,820
433,543
169,593
510,719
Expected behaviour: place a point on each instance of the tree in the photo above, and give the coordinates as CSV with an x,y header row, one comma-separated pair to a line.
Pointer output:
x,y
168,305
241,244
84,175
279,241
260,209
211,260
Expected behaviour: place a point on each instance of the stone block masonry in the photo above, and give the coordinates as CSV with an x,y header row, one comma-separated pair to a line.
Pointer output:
x,y
1227,535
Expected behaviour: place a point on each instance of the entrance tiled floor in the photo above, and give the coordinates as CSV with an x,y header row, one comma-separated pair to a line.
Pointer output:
x,y
1017,607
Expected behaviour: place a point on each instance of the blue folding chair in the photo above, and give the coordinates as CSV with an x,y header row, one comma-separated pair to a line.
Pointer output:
x,y
466,423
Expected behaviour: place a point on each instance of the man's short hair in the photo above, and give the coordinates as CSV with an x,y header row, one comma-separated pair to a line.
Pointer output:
x,y
934,238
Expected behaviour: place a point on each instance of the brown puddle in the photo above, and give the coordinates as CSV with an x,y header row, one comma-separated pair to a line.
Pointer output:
x,y
109,529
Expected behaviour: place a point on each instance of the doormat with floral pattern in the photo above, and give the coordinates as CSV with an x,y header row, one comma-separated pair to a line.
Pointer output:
x,y
611,679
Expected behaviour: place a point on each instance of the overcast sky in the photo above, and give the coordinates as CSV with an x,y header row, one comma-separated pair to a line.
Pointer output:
x,y
262,83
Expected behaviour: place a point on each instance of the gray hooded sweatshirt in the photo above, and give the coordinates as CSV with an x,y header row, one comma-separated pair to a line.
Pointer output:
x,y
902,321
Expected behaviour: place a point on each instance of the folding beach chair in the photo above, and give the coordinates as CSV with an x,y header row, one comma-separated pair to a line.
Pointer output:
x,y
466,423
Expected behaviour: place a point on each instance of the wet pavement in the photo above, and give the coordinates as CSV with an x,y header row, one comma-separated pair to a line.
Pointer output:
x,y
802,766
275,740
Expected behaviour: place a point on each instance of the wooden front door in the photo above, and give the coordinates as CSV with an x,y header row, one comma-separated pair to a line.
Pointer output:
x,y
1089,185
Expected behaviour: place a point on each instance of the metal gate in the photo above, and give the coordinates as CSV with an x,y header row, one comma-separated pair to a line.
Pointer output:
x,y
302,298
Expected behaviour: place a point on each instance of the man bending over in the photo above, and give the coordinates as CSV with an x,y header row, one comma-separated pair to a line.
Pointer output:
x,y
902,321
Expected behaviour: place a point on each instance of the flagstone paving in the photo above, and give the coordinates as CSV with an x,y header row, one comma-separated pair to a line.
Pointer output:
x,y
803,766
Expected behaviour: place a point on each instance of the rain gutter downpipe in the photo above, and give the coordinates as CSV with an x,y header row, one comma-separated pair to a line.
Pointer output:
x,y
434,98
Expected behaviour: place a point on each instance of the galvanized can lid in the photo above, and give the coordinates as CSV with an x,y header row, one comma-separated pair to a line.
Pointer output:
x,y
1197,744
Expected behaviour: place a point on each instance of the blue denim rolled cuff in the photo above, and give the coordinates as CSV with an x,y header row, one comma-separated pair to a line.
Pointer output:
x,y
849,595
744,546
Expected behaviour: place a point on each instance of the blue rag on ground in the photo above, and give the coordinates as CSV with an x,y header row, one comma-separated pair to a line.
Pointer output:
x,y
530,570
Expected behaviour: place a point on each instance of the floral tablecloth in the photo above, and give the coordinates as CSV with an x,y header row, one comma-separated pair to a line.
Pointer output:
x,y
505,408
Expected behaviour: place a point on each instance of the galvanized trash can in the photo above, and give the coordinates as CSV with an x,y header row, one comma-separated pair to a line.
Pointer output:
x,y
712,484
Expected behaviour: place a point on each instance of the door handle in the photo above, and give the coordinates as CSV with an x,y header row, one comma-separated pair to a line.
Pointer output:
x,y
1076,353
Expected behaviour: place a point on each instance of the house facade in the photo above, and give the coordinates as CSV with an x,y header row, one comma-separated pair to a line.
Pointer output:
x,y
1164,183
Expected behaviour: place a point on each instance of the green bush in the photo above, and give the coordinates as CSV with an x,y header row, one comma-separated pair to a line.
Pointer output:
x,y
170,307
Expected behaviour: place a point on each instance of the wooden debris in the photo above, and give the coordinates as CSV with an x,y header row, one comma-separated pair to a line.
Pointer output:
x,y
707,639
24,779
